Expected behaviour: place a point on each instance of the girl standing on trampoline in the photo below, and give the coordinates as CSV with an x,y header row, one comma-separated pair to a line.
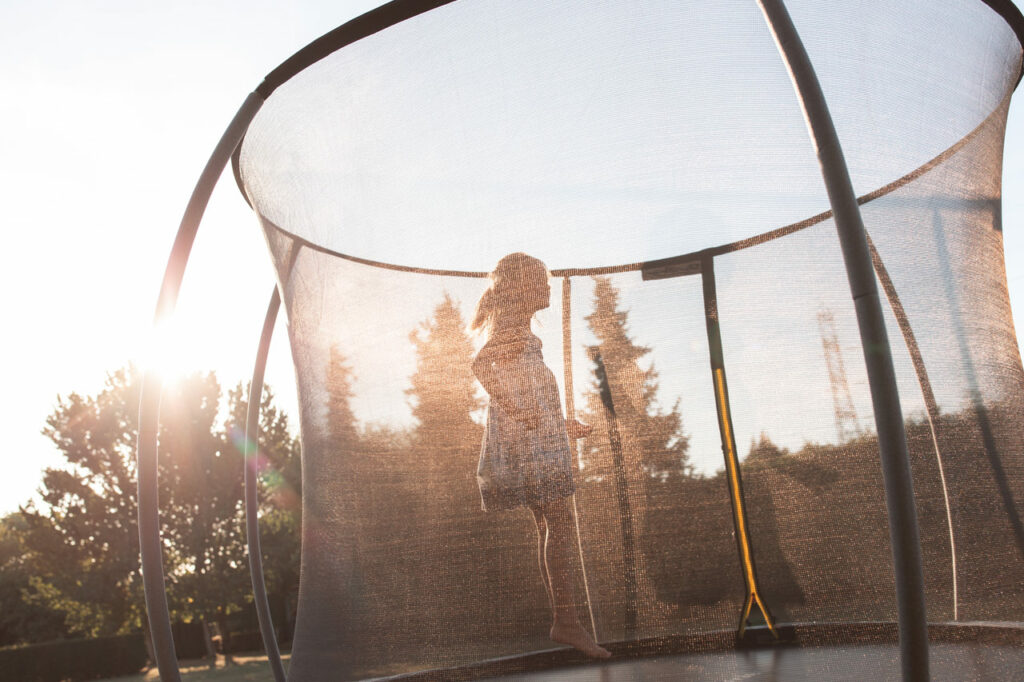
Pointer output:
x,y
525,459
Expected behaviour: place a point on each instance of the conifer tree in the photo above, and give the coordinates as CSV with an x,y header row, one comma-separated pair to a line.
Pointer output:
x,y
638,452
457,572
334,531
654,443
341,421
443,388
444,398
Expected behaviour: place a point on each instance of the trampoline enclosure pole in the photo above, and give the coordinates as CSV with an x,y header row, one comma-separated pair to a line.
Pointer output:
x,y
149,400
570,413
892,442
732,464
252,521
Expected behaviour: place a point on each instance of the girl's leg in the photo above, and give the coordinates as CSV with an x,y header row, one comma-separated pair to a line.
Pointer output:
x,y
566,627
542,535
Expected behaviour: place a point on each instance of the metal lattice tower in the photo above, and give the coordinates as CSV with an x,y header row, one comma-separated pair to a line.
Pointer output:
x,y
847,425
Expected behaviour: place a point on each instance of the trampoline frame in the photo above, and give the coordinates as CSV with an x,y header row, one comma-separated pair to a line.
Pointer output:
x,y
793,635
861,262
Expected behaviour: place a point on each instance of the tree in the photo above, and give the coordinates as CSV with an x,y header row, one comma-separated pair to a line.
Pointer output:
x,y
444,398
468,559
637,455
201,482
279,490
653,438
84,538
764,466
22,621
444,390
341,421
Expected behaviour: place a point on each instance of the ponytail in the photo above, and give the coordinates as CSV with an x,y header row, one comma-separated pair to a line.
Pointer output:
x,y
486,311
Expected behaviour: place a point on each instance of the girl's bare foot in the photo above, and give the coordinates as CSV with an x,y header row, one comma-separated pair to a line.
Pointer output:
x,y
575,636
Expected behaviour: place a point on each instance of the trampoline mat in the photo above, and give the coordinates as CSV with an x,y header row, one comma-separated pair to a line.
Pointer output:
x,y
876,662
852,651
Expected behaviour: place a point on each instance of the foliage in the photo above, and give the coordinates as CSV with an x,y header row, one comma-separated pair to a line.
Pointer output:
x,y
410,511
397,513
74,659
341,422
653,437
279,469
636,455
443,388
22,621
201,498
82,543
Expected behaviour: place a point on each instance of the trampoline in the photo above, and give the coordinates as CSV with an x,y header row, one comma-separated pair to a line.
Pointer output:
x,y
780,482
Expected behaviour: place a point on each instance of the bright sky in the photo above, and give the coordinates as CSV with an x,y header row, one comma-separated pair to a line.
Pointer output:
x,y
110,110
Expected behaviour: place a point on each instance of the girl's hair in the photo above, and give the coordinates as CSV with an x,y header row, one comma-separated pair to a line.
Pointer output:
x,y
507,282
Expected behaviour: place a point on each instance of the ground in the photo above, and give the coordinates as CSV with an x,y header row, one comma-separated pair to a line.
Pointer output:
x,y
243,668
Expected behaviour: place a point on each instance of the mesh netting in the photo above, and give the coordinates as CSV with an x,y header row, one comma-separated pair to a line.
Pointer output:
x,y
392,175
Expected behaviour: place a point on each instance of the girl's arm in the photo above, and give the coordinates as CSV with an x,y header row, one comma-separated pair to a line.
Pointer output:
x,y
487,367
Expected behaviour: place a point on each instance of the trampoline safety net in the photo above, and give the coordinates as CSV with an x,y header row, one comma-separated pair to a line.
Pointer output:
x,y
645,152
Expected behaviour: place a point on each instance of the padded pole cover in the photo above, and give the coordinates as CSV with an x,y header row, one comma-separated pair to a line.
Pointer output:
x,y
252,521
892,441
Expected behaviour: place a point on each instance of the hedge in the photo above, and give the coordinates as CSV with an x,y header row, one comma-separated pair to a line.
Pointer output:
x,y
245,642
74,659
189,639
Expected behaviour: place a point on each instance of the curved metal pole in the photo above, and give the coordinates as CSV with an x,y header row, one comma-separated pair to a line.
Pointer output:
x,y
252,522
930,404
149,399
892,441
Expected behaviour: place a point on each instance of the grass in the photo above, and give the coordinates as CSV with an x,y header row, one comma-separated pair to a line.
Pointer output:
x,y
243,668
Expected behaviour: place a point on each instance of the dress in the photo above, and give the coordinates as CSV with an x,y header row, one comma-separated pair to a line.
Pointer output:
x,y
520,466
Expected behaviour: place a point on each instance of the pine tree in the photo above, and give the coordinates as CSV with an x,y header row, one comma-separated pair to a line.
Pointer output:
x,y
654,443
444,398
443,391
637,455
334,520
466,558
341,421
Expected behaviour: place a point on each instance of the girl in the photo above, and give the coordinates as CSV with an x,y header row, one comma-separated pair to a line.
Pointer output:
x,y
525,459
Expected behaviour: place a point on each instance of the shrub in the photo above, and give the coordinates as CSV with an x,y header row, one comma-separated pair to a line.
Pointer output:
x,y
247,641
189,639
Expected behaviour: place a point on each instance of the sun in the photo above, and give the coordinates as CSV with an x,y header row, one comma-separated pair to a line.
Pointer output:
x,y
170,351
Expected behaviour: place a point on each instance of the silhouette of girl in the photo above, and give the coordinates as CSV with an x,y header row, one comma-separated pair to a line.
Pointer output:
x,y
525,459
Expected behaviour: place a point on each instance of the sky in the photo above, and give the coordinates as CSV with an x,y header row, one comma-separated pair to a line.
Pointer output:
x,y
110,110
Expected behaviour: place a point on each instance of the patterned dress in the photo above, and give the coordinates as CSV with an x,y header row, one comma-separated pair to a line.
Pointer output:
x,y
520,466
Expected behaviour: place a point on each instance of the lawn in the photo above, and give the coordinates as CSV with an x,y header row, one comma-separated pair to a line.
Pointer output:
x,y
244,668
